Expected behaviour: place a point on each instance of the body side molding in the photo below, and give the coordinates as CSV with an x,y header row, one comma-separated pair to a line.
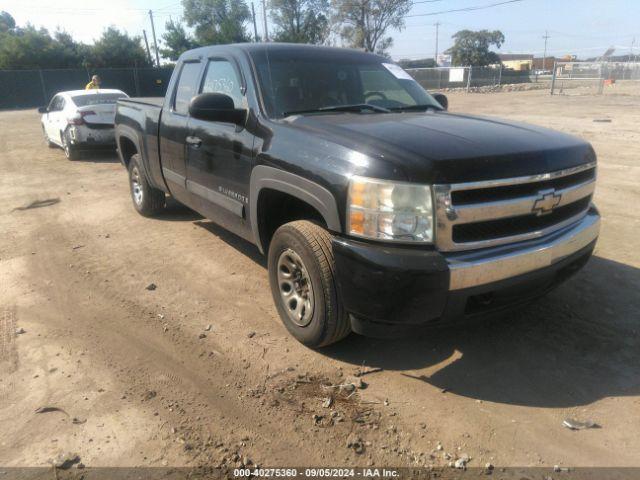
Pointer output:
x,y
173,177
217,198
315,195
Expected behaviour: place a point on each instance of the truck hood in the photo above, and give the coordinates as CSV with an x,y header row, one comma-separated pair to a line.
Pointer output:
x,y
446,147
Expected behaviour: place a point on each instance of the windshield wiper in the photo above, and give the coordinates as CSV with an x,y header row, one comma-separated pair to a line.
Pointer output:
x,y
415,108
357,107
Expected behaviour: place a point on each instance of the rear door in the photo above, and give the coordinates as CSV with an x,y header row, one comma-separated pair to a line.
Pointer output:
x,y
219,155
173,129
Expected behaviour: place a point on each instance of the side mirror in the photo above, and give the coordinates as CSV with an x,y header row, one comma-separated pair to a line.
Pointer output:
x,y
442,100
216,107
42,110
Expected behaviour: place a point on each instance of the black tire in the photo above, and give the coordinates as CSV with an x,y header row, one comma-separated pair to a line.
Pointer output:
x,y
147,200
70,151
329,322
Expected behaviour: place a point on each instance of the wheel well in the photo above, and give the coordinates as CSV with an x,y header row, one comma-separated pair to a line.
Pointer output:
x,y
128,149
276,208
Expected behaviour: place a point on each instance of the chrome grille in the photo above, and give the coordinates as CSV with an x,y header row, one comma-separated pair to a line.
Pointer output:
x,y
496,212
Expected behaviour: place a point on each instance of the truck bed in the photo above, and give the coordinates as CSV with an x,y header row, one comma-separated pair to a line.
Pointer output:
x,y
150,101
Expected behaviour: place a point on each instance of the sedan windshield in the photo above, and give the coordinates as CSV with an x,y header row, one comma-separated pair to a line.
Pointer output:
x,y
328,81
97,99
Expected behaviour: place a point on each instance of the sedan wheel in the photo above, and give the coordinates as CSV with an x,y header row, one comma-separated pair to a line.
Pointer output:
x,y
70,151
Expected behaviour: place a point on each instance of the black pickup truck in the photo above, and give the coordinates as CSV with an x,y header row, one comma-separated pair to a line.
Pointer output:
x,y
380,212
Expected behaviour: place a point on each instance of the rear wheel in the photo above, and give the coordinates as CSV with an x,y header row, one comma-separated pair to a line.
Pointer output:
x,y
302,278
70,150
147,200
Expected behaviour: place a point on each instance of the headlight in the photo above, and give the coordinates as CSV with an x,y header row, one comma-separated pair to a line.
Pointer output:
x,y
391,211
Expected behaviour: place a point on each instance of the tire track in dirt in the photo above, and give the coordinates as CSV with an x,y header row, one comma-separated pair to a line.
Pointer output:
x,y
205,392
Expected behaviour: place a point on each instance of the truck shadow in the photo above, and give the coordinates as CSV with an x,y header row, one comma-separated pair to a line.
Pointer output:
x,y
177,212
248,249
99,156
577,345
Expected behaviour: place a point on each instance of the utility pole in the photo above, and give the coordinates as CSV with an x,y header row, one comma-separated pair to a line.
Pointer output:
x,y
146,43
544,55
633,42
435,58
255,26
155,42
264,18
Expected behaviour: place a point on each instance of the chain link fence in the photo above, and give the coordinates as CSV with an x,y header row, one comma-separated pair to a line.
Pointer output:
x,y
472,78
591,77
33,88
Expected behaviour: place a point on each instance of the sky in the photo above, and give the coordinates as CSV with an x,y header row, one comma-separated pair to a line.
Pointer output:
x,y
584,28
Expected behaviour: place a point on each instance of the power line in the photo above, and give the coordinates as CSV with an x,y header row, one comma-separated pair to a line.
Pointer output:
x,y
435,57
544,55
155,42
264,18
255,25
465,9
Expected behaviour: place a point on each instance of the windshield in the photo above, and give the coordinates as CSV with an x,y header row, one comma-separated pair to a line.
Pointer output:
x,y
97,99
323,79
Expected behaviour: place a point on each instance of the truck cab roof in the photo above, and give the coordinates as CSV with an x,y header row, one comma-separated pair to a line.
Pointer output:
x,y
290,49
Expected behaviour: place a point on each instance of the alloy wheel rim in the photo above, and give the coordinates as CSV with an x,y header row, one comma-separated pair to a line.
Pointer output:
x,y
295,288
136,188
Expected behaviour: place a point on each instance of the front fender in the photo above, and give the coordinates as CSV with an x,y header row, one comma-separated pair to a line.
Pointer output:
x,y
263,177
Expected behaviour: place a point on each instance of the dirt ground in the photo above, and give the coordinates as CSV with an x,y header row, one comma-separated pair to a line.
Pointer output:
x,y
140,380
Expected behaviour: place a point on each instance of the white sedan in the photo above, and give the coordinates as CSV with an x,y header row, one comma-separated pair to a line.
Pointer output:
x,y
81,119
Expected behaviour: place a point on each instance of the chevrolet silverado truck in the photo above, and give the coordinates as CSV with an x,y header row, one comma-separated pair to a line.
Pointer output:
x,y
379,211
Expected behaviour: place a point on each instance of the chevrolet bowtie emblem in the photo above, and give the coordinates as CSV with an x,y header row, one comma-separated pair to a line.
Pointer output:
x,y
545,203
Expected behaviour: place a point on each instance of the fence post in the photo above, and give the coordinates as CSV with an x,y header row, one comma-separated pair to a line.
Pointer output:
x,y
136,80
500,76
44,89
469,78
601,81
553,77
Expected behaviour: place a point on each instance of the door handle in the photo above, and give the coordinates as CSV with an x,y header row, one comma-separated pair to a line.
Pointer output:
x,y
195,142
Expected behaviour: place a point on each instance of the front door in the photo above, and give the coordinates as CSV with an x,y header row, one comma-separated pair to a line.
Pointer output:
x,y
219,155
173,130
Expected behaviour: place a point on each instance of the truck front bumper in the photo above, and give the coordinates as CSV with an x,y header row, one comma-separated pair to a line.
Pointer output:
x,y
387,287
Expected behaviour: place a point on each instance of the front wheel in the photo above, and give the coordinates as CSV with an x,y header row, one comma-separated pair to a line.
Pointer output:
x,y
303,286
147,200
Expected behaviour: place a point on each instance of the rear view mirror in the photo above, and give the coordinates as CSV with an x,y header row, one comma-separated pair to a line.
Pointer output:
x,y
442,100
42,110
216,107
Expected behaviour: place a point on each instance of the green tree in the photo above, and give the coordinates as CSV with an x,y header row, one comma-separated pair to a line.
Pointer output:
x,y
300,21
176,40
116,49
29,47
471,48
364,23
7,23
217,21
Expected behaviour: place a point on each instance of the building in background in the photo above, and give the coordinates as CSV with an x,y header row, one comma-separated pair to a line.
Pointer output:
x,y
544,64
517,61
